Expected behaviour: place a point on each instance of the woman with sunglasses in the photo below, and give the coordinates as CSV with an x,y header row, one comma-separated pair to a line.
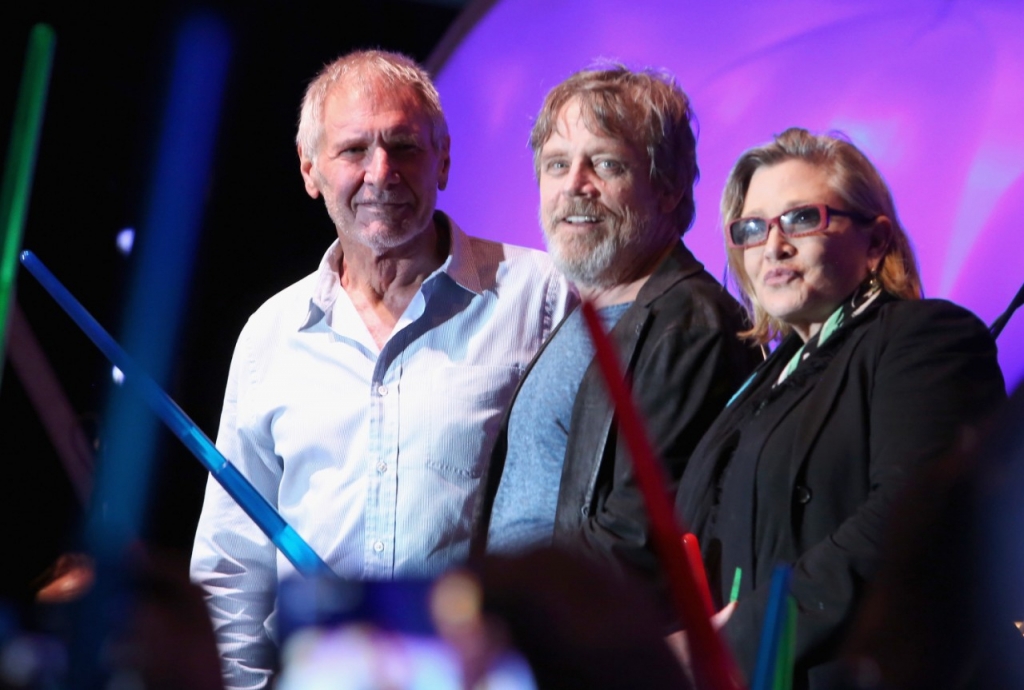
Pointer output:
x,y
868,382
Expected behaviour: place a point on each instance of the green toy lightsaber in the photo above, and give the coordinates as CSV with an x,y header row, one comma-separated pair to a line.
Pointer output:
x,y
21,160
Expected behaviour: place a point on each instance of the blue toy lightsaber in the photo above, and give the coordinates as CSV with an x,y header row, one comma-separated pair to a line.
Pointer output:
x,y
294,547
776,631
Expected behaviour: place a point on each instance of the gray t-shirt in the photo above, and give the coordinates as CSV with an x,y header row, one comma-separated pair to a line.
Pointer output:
x,y
523,516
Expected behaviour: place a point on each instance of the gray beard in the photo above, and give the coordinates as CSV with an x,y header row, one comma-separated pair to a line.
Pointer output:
x,y
592,261
592,269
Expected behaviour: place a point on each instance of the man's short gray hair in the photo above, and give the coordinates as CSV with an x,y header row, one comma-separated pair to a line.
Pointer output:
x,y
376,71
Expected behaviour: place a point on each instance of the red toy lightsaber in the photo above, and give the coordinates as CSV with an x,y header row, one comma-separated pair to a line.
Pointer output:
x,y
700,576
713,666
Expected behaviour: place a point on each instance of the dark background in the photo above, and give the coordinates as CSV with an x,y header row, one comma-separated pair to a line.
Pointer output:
x,y
260,231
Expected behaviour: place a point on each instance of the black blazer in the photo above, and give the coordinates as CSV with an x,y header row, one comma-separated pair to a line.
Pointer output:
x,y
677,343
886,394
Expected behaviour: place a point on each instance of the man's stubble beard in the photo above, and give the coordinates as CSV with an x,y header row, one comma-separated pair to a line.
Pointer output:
x,y
379,242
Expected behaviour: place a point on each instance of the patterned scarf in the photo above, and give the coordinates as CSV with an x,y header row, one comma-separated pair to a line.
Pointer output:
x,y
860,301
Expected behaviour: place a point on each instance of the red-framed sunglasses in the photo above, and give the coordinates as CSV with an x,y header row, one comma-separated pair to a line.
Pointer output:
x,y
796,222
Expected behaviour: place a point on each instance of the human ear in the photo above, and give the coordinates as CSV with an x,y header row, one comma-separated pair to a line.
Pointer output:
x,y
669,200
445,163
879,239
308,175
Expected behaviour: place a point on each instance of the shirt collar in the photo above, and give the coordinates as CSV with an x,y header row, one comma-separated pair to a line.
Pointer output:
x,y
460,266
461,263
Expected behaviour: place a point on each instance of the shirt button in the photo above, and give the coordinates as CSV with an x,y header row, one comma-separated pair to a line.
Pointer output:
x,y
382,389
382,467
585,511
378,546
802,494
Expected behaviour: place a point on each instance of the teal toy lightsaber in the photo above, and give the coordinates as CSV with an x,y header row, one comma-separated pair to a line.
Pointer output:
x,y
295,549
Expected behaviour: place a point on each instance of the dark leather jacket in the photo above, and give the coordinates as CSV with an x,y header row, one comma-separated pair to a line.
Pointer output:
x,y
678,345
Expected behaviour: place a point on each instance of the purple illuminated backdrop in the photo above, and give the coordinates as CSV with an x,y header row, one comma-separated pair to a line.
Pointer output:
x,y
931,90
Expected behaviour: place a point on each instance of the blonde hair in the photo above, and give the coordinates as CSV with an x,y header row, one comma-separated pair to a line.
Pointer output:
x,y
854,179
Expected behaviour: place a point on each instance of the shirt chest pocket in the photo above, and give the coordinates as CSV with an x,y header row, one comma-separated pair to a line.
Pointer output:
x,y
466,404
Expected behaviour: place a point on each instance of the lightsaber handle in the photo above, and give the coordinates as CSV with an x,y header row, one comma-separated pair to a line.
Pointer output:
x,y
294,548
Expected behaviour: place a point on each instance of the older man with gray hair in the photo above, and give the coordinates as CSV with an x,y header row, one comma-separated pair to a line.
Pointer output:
x,y
363,400
615,159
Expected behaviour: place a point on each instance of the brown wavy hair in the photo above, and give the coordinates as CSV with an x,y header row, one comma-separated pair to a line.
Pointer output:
x,y
643,107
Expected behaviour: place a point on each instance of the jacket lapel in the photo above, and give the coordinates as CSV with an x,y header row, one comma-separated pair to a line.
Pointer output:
x,y
592,400
826,391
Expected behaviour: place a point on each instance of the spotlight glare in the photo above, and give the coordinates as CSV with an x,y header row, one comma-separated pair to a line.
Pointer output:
x,y
125,240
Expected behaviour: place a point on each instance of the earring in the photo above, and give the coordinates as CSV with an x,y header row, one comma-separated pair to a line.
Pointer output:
x,y
874,282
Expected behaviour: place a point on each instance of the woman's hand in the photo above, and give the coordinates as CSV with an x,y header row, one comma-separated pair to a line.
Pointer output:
x,y
679,645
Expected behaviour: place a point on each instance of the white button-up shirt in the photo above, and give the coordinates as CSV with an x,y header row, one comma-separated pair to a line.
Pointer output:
x,y
373,456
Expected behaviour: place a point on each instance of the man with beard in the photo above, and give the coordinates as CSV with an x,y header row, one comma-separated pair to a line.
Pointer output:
x,y
615,160
363,401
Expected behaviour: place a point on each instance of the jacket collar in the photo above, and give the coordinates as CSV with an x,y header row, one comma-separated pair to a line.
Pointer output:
x,y
679,265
